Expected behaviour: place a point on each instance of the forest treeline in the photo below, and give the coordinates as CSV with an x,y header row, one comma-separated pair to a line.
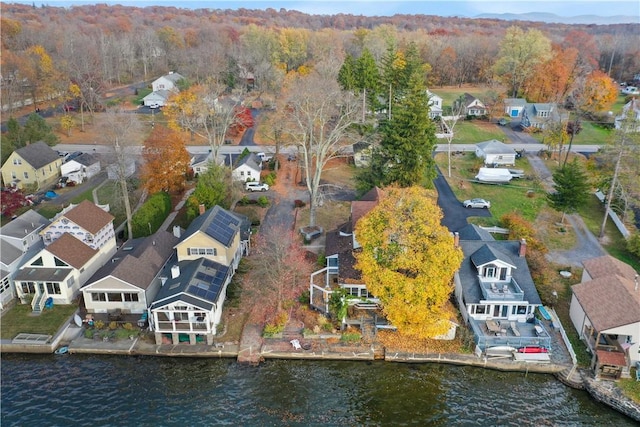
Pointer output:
x,y
54,50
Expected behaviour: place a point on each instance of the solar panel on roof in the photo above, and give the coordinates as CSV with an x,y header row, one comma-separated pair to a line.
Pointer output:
x,y
210,264
222,227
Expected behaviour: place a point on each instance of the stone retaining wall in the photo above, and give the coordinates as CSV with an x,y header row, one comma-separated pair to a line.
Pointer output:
x,y
612,397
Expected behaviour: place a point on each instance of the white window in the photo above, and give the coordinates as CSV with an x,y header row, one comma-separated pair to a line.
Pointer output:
x,y
98,297
489,271
17,161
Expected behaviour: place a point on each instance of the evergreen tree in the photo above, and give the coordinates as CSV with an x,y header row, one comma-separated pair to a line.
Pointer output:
x,y
36,129
12,139
571,189
347,74
408,139
368,78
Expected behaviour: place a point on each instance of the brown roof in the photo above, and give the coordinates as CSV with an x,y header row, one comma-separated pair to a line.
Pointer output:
x,y
360,208
609,301
613,358
71,250
607,265
89,216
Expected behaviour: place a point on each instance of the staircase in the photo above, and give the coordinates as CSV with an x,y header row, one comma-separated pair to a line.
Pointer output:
x,y
38,303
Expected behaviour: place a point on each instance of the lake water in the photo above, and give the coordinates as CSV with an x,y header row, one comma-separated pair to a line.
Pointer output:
x,y
78,390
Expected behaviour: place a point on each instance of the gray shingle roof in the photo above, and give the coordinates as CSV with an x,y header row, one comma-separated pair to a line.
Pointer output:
x,y
494,146
220,224
38,154
250,160
26,223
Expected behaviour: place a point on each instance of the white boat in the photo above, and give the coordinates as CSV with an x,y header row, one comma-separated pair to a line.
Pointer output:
x,y
494,175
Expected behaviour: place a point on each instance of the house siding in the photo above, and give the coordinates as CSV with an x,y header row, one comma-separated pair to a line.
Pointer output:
x,y
15,168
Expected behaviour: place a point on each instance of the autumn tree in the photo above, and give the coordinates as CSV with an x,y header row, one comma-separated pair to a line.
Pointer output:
x,y
571,189
520,52
408,260
117,132
321,115
166,161
279,272
203,110
39,70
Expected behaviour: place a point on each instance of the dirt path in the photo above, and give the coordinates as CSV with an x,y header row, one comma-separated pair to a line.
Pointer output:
x,y
587,245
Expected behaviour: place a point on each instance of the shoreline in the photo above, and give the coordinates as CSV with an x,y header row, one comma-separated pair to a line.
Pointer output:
x,y
604,392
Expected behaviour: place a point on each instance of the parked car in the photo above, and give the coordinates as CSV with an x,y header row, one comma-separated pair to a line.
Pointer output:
x,y
256,186
264,157
477,203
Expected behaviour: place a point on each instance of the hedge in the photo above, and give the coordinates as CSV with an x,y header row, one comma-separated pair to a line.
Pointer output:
x,y
148,219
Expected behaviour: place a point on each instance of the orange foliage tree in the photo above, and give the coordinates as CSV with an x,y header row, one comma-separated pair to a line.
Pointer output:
x,y
408,260
166,161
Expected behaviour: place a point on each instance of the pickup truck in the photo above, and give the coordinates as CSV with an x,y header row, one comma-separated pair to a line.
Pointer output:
x,y
264,157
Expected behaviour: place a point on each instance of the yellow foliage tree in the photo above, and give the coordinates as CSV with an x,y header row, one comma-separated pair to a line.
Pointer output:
x,y
408,260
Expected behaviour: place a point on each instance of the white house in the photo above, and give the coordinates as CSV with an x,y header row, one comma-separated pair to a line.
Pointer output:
x,y
248,168
156,99
471,106
132,278
167,82
199,163
605,310
496,153
19,240
435,105
80,168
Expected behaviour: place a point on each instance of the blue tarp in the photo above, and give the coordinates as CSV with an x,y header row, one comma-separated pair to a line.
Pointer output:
x,y
51,194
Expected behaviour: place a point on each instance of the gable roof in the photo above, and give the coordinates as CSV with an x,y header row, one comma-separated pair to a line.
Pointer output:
x,y
8,252
607,265
368,201
138,261
515,102
474,232
609,301
173,76
86,159
493,146
489,253
505,250
200,282
25,224
469,99
251,160
220,224
37,154
71,250
89,216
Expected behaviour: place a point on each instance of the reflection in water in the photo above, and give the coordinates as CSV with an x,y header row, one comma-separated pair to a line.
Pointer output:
x,y
73,390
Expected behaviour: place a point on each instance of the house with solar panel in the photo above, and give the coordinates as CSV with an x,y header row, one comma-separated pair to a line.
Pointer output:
x,y
188,307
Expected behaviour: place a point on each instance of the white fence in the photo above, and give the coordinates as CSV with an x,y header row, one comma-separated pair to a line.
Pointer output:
x,y
614,216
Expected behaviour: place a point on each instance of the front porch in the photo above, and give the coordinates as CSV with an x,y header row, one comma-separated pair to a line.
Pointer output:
x,y
610,360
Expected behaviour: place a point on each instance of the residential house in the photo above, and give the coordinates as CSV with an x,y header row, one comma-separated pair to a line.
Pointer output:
x,y
157,98
87,222
189,304
471,106
495,292
248,168
340,270
19,240
130,281
514,107
57,272
537,115
496,153
80,168
34,165
605,310
167,82
200,163
362,151
79,240
188,307
634,106
435,105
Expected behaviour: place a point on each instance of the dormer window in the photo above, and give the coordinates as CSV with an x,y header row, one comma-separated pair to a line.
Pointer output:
x,y
489,271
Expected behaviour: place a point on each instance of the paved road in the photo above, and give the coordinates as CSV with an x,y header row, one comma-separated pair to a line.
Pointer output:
x,y
454,214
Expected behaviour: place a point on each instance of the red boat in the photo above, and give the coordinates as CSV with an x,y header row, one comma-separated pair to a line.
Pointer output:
x,y
533,349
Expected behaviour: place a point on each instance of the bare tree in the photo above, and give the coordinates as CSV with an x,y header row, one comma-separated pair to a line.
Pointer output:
x,y
449,123
117,133
321,115
626,145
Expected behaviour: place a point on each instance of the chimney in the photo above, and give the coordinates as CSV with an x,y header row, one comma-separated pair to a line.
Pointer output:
x,y
523,248
201,209
456,240
175,271
176,231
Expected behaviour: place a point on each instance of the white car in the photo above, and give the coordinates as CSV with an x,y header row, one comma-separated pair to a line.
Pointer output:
x,y
256,186
631,90
477,203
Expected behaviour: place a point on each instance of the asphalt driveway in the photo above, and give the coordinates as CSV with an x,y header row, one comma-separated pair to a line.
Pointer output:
x,y
454,214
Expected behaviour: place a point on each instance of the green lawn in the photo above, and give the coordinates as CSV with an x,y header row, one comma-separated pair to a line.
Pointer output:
x,y
475,131
524,196
19,319
450,94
